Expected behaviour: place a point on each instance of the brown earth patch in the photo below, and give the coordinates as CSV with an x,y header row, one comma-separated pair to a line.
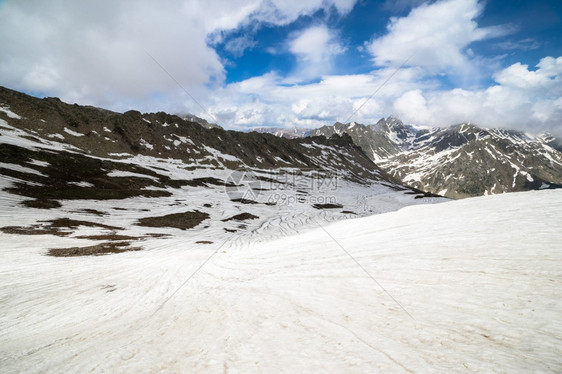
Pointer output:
x,y
93,250
93,212
74,224
54,227
182,221
241,217
244,201
42,204
112,237
327,206
33,230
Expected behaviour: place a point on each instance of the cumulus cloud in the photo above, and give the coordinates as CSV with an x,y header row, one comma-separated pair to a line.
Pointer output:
x,y
433,36
315,49
523,99
282,12
276,101
98,52
102,52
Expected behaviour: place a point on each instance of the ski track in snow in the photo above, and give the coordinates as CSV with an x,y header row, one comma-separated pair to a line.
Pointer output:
x,y
481,278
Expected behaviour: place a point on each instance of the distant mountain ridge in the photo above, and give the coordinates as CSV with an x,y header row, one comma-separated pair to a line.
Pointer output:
x,y
460,161
69,141
203,122
103,133
289,133
96,182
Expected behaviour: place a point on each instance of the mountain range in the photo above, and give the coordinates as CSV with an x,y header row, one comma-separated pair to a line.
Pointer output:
x,y
145,242
88,166
459,161
289,133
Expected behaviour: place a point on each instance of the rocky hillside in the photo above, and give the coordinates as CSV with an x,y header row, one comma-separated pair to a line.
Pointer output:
x,y
103,133
74,174
459,161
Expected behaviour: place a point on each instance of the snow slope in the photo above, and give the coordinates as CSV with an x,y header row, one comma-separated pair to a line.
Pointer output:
x,y
477,281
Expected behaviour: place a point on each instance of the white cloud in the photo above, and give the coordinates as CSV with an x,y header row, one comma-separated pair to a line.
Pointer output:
x,y
433,36
97,52
546,78
527,44
238,45
412,107
282,12
334,98
315,49
269,101
523,99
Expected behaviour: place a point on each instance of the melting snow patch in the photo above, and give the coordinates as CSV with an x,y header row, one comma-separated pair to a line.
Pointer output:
x,y
9,113
185,140
21,169
146,144
81,184
219,154
106,129
416,177
73,133
38,163
56,136
120,173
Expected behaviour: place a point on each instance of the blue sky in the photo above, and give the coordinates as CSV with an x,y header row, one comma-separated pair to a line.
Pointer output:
x,y
255,63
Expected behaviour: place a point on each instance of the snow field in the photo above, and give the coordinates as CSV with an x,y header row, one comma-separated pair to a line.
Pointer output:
x,y
480,277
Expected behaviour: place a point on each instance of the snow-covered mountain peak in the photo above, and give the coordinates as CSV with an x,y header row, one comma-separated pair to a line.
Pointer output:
x,y
461,160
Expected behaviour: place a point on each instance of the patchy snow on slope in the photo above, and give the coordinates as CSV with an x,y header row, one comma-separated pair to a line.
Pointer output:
x,y
38,163
470,285
21,169
216,154
82,184
73,133
121,173
56,136
146,144
6,109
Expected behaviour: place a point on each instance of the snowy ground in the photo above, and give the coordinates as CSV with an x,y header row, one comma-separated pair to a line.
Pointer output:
x,y
469,286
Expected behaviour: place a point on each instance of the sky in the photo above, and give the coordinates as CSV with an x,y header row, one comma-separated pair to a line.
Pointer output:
x,y
291,63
